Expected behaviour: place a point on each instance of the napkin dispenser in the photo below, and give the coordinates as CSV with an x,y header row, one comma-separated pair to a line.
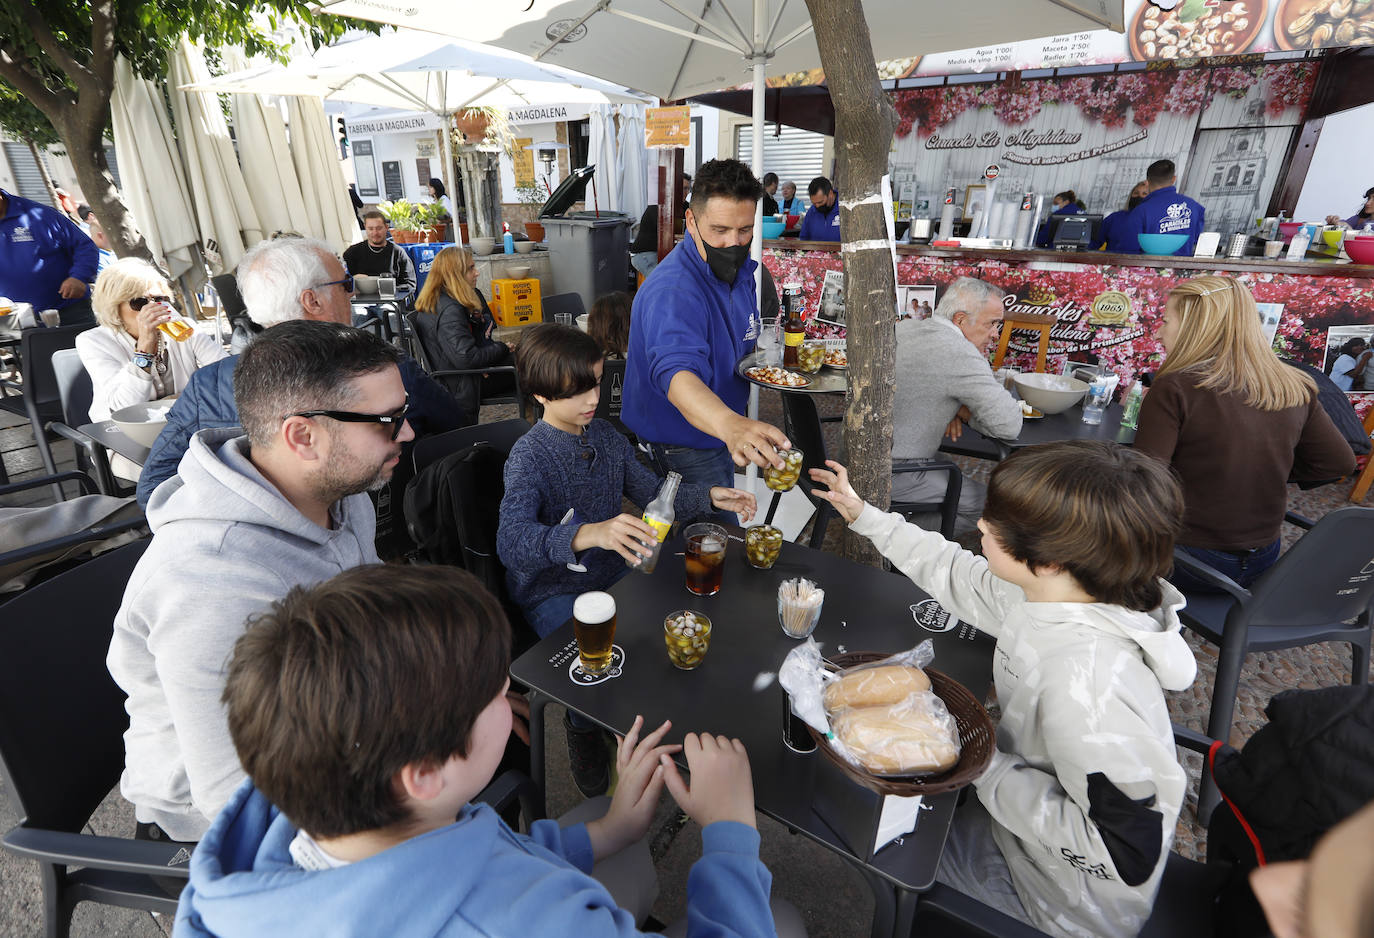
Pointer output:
x,y
862,818
919,233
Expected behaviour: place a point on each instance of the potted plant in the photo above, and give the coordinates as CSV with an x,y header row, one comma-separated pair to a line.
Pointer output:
x,y
400,215
429,220
533,198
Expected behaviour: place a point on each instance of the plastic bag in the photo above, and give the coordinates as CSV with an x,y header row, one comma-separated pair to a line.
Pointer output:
x,y
880,716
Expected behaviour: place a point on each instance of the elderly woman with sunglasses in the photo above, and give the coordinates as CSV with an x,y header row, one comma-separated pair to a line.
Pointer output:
x,y
129,359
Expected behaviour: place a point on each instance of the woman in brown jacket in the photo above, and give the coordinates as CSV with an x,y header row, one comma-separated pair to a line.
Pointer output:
x,y
1236,424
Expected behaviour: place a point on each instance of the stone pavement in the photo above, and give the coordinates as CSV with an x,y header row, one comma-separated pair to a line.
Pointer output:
x,y
835,900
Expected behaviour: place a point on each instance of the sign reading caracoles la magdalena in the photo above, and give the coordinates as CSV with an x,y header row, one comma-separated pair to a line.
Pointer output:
x,y
1102,321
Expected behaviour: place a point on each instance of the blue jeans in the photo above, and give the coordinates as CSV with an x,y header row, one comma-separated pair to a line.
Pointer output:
x,y
1245,567
553,612
700,466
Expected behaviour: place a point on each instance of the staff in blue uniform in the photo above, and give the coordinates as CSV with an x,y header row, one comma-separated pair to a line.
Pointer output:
x,y
822,221
45,259
1165,210
1115,232
1065,203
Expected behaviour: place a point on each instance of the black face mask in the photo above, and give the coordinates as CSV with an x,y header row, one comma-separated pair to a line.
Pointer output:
x,y
725,263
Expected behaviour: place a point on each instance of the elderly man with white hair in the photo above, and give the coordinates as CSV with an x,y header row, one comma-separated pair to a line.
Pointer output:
x,y
943,381
280,281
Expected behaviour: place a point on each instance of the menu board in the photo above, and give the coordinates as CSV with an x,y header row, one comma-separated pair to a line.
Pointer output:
x,y
365,169
391,180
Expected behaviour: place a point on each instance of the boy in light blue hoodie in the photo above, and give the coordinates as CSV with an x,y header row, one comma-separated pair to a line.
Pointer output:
x,y
369,711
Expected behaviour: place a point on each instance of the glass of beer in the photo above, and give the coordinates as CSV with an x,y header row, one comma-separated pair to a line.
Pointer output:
x,y
687,634
594,626
762,543
177,329
705,560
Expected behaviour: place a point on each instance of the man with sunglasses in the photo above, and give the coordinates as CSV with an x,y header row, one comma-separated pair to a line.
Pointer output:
x,y
282,281
251,514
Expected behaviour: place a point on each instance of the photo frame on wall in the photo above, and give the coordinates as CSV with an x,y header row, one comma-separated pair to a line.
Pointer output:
x,y
832,299
973,200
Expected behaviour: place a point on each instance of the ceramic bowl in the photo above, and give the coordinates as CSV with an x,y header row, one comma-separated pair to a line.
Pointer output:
x,y
482,246
1049,394
1161,243
524,247
143,422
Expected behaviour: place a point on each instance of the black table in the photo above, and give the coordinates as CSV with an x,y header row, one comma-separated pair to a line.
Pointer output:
x,y
108,434
866,609
1051,428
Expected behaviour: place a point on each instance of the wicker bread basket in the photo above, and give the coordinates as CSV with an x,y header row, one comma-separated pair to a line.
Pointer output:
x,y
977,738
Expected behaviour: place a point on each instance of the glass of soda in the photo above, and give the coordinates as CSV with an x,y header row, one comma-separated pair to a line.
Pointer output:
x,y
594,626
781,480
762,544
705,560
687,634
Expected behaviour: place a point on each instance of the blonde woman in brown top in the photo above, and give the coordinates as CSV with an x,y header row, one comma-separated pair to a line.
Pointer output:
x,y
1236,424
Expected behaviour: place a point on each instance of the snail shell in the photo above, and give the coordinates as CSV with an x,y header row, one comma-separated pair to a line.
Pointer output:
x,y
1241,24
1150,50
1148,36
1345,31
1302,24
1322,33
1339,9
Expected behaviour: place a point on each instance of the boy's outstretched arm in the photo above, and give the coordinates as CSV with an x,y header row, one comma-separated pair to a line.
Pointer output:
x,y
959,580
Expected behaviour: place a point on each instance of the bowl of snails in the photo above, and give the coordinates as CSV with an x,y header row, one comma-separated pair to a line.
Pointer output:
x,y
1314,24
1228,29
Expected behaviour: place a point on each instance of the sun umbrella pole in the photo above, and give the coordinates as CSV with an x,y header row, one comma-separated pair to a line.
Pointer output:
x,y
756,247
451,171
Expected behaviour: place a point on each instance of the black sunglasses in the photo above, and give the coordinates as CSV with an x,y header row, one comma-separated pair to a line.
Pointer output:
x,y
138,302
396,420
346,282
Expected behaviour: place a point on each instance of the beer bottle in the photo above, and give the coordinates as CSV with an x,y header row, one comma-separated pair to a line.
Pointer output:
x,y
659,516
793,329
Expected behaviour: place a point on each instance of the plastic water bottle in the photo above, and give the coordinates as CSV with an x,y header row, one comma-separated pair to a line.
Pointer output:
x,y
508,239
1095,401
1131,406
659,515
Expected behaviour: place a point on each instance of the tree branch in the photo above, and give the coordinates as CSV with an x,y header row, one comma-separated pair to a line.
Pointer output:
x,y
102,41
29,85
42,34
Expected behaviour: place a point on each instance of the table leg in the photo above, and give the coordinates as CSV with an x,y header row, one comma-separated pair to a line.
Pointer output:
x,y
894,910
538,702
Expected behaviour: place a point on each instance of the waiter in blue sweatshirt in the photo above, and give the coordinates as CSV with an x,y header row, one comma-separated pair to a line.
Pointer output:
x,y
1164,211
822,220
691,323
45,259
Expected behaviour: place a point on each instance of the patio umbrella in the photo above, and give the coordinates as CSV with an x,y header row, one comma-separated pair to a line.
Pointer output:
x,y
224,210
151,175
601,151
328,209
634,160
265,156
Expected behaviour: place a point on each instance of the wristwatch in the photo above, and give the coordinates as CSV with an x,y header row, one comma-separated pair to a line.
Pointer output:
x,y
143,360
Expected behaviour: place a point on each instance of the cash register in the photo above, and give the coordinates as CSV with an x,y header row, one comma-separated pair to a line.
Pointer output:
x,y
1075,232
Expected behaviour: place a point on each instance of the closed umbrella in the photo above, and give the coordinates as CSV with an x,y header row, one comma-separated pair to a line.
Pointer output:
x,y
265,157
328,210
224,210
601,152
634,160
151,175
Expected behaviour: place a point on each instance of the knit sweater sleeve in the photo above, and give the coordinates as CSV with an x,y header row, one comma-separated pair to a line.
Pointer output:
x,y
642,484
522,540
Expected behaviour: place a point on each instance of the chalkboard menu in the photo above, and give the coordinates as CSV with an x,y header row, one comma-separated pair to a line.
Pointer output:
x,y
391,180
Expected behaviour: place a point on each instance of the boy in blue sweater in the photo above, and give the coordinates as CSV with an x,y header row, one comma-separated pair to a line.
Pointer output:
x,y
369,710
571,463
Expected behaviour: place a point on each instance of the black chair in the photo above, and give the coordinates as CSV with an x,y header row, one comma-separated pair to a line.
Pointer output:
x,y
426,340
37,396
62,723
1311,595
802,425
612,384
562,303
59,553
500,435
74,389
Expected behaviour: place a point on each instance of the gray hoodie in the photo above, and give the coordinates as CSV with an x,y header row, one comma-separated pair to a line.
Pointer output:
x,y
1085,787
225,545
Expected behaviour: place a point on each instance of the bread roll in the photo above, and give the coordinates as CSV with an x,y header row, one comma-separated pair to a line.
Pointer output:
x,y
897,741
875,687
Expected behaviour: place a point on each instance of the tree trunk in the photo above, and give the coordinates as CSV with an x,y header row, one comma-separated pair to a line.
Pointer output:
x,y
87,151
864,125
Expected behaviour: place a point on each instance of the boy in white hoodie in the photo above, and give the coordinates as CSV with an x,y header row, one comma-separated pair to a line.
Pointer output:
x,y
1076,812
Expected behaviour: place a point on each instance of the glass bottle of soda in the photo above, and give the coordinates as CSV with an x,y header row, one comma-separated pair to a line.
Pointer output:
x,y
793,329
659,515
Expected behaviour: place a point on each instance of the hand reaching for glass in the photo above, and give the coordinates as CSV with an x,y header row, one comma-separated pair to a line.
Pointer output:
x,y
841,494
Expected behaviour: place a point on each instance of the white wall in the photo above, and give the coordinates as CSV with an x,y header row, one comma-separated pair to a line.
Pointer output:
x,y
1340,171
537,133
402,148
